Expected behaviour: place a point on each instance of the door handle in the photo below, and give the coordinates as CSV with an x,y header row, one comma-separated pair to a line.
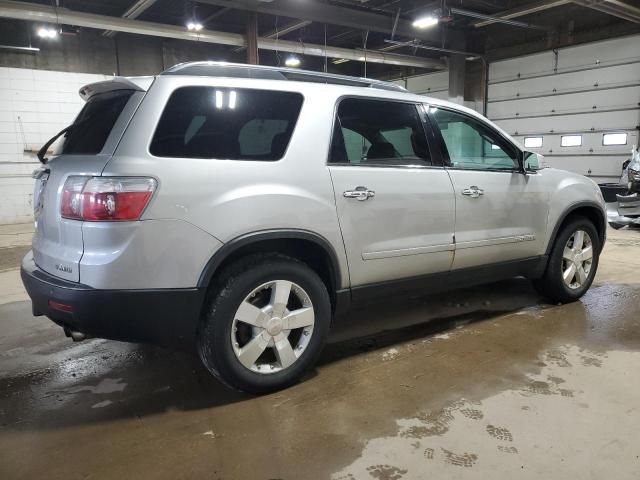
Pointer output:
x,y
360,193
473,191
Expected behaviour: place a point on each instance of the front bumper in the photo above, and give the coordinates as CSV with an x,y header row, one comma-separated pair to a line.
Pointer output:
x,y
167,317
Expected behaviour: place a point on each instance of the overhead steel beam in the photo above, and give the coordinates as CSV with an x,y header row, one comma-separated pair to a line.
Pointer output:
x,y
332,15
513,23
133,12
214,15
277,33
522,11
43,13
615,8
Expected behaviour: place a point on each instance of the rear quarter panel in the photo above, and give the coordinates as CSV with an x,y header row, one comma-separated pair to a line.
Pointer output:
x,y
230,198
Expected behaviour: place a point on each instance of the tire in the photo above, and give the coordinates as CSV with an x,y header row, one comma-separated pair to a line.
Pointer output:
x,y
223,339
552,284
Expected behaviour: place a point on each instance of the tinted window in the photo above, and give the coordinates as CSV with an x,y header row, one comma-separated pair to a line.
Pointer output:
x,y
373,132
94,123
224,123
472,144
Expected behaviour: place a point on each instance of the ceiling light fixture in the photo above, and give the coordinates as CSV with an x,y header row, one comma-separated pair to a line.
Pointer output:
x,y
44,32
292,61
425,22
194,26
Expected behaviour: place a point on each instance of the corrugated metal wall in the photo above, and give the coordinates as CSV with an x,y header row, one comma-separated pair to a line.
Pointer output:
x,y
588,90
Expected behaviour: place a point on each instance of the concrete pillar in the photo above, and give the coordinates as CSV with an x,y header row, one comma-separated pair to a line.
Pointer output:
x,y
252,38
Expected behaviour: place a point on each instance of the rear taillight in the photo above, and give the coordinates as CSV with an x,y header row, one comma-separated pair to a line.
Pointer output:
x,y
106,198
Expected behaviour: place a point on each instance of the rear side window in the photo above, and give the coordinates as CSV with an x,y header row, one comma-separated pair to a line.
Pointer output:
x,y
92,127
225,123
380,133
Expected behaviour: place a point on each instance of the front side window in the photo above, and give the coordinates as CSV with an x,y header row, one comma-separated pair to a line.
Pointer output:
x,y
379,133
226,123
473,145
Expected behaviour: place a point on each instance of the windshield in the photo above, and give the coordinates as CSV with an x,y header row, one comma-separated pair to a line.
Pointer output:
x,y
89,132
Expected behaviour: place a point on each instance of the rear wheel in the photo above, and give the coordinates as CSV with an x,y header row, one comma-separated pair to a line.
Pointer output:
x,y
265,324
573,262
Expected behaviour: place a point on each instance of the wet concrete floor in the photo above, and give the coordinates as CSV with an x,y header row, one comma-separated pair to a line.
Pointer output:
x,y
483,383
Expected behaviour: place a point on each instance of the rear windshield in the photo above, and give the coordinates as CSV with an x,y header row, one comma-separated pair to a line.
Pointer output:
x,y
94,123
226,123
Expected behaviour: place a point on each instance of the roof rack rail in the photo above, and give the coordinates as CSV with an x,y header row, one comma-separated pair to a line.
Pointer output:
x,y
239,70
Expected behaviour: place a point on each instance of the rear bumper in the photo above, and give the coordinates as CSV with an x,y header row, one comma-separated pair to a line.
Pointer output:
x,y
166,317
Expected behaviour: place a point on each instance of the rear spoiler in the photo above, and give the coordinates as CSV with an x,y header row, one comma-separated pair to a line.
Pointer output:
x,y
140,84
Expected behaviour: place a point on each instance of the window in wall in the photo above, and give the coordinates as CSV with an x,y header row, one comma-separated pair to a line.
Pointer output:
x,y
225,123
571,140
474,145
376,132
533,142
614,139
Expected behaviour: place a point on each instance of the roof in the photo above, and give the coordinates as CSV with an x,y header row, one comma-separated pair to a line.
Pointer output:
x,y
239,70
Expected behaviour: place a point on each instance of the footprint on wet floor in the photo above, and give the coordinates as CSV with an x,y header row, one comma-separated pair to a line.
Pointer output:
x,y
436,422
433,424
558,358
386,472
506,449
565,392
472,413
539,387
499,433
590,361
459,459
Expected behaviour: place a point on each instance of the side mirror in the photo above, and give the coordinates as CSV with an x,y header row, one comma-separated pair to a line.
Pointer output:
x,y
530,162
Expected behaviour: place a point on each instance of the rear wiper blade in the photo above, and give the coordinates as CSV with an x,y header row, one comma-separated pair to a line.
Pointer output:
x,y
43,151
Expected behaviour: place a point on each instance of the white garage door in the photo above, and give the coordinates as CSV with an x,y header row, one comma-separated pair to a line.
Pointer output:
x,y
578,106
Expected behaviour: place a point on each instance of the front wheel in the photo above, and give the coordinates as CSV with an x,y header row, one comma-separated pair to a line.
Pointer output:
x,y
265,324
573,262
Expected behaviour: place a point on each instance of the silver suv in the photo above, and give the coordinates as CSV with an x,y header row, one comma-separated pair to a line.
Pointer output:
x,y
238,208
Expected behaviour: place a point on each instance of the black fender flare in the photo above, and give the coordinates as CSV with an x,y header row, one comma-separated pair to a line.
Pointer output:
x,y
274,234
568,211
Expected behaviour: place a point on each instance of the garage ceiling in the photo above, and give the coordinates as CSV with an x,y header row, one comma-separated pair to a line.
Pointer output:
x,y
351,30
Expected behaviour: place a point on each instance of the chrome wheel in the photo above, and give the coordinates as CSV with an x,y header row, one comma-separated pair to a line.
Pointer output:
x,y
577,259
272,327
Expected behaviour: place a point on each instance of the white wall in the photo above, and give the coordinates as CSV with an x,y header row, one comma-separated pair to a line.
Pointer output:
x,y
588,90
34,106
434,85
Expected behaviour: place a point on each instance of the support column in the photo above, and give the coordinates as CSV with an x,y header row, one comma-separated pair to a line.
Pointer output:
x,y
457,64
457,67
252,38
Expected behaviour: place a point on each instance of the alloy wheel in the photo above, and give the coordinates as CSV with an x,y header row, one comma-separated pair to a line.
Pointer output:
x,y
272,327
577,259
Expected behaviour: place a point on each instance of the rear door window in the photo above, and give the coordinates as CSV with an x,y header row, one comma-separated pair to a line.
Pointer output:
x,y
225,123
94,123
380,133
